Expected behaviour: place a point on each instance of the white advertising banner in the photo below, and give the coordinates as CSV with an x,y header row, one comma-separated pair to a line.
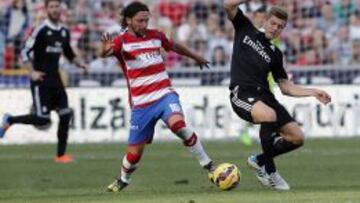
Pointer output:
x,y
103,114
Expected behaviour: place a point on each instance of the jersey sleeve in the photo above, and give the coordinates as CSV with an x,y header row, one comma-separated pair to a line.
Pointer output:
x,y
278,69
117,45
31,42
240,21
165,42
68,51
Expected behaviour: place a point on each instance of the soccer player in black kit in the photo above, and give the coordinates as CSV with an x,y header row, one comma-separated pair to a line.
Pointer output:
x,y
254,57
47,42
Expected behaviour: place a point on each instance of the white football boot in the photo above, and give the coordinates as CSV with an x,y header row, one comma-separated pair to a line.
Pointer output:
x,y
277,182
260,172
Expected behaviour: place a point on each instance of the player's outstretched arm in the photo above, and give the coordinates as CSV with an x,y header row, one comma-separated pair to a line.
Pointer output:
x,y
183,50
81,64
289,88
107,46
231,7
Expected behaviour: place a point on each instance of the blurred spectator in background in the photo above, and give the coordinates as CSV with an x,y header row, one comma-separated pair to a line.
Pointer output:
x,y
341,46
2,49
200,47
204,8
354,28
327,21
176,10
15,20
259,16
313,24
320,46
82,12
343,9
292,43
355,59
212,23
219,57
103,64
116,28
191,30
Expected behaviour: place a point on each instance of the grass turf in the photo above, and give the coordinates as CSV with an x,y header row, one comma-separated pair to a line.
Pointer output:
x,y
324,170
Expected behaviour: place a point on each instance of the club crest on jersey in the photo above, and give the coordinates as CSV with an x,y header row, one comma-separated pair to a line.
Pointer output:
x,y
251,100
49,33
63,33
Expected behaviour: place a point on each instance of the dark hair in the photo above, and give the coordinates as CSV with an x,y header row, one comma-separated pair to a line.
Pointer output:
x,y
48,1
278,12
261,9
132,9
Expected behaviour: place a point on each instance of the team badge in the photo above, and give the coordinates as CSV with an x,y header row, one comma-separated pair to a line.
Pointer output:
x,y
63,33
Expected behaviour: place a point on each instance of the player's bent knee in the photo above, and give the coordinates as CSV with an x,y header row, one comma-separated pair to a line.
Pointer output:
x,y
299,139
296,139
136,149
177,126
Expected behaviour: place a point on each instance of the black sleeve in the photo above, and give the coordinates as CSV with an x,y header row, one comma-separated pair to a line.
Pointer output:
x,y
278,69
240,21
68,51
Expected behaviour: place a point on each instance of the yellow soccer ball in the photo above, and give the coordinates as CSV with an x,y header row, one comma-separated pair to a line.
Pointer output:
x,y
226,176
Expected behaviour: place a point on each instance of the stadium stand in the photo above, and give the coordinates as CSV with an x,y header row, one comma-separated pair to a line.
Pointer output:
x,y
322,38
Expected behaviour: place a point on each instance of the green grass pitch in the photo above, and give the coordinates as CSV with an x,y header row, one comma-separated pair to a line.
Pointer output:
x,y
324,170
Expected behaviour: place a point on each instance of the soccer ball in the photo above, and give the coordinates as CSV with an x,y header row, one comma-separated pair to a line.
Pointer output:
x,y
226,176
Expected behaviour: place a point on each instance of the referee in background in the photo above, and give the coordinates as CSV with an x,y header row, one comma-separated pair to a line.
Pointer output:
x,y
47,42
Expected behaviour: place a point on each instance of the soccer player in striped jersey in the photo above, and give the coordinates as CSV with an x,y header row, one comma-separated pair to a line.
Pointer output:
x,y
151,95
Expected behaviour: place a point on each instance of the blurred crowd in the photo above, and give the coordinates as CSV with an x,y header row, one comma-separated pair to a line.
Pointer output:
x,y
319,32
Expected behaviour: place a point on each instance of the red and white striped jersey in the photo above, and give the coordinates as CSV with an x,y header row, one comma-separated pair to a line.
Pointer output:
x,y
143,66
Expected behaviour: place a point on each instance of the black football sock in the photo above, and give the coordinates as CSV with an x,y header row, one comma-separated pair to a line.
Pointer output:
x,y
266,158
30,119
62,133
281,146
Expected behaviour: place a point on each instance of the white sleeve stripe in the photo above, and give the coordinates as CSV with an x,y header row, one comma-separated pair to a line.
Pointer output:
x,y
29,44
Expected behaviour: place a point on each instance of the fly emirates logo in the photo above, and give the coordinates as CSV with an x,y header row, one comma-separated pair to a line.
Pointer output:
x,y
258,47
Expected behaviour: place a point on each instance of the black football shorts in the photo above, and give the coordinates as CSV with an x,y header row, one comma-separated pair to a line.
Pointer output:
x,y
47,98
244,97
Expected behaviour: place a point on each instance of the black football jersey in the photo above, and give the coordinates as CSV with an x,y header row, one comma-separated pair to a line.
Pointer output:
x,y
254,56
44,48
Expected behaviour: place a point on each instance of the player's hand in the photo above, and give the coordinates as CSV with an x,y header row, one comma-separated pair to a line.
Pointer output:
x,y
37,75
203,63
322,96
107,44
